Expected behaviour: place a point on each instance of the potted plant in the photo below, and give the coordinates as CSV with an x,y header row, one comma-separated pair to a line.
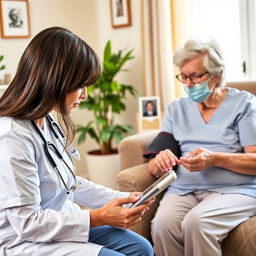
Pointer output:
x,y
106,99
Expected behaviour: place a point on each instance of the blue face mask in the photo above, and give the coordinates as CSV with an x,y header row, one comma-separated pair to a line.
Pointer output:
x,y
198,92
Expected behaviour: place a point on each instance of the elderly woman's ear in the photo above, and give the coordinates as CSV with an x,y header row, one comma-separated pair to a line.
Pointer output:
x,y
218,76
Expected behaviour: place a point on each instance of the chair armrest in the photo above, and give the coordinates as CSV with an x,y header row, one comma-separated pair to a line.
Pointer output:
x,y
241,240
135,178
138,179
131,149
249,86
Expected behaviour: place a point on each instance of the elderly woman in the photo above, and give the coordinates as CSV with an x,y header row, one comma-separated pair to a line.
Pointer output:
x,y
215,128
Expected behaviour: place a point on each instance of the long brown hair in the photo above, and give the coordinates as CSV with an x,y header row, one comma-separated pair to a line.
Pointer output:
x,y
55,63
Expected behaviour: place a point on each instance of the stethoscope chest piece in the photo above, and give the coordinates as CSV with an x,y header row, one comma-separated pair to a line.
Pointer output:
x,y
74,152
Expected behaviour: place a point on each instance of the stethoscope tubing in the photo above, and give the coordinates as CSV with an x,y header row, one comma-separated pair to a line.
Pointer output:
x,y
48,144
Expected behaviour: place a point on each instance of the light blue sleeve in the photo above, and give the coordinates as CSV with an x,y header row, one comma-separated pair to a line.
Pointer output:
x,y
167,123
247,122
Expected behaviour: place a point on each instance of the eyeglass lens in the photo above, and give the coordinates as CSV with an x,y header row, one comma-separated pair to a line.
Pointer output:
x,y
194,78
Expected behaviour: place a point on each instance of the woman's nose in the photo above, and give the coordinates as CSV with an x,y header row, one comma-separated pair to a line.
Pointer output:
x,y
83,94
189,82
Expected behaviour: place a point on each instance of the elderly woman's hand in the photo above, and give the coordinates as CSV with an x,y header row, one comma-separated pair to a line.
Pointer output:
x,y
164,161
198,160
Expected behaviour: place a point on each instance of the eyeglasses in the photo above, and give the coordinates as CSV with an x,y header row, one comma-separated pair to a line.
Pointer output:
x,y
194,78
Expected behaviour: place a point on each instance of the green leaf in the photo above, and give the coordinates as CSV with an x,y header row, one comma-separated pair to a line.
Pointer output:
x,y
93,135
118,135
110,68
106,133
81,138
107,51
118,107
101,121
96,108
115,86
106,86
82,131
130,89
127,56
90,89
125,128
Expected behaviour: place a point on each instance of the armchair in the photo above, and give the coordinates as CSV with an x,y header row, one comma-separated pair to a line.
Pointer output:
x,y
134,177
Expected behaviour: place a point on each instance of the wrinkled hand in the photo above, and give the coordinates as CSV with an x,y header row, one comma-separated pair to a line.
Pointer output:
x,y
198,160
114,214
164,161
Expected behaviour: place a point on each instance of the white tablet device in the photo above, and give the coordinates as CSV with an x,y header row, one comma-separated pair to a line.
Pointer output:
x,y
156,188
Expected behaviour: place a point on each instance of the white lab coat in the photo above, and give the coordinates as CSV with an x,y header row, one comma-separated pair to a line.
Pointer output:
x,y
37,217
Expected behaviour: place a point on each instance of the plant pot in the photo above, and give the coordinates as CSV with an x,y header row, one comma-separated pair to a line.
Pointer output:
x,y
103,169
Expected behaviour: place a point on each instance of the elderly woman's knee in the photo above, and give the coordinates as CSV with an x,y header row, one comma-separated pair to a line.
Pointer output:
x,y
158,223
164,225
192,221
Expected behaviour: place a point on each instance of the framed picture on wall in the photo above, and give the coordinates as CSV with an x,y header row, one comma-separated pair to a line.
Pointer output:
x,y
149,117
120,13
14,18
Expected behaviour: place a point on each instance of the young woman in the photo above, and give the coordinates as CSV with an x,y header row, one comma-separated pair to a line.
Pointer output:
x,y
38,187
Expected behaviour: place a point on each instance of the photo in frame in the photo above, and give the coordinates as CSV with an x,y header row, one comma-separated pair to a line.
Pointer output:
x,y
14,19
120,13
149,116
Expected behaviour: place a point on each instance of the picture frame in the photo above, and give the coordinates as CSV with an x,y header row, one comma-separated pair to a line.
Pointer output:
x,y
15,21
149,116
120,13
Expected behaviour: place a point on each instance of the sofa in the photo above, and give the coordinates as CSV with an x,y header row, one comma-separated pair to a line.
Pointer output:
x,y
241,241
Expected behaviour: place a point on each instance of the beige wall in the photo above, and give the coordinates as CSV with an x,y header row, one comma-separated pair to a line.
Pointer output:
x,y
127,37
90,19
78,15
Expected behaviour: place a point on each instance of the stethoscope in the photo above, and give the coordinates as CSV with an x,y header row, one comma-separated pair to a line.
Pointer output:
x,y
58,134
